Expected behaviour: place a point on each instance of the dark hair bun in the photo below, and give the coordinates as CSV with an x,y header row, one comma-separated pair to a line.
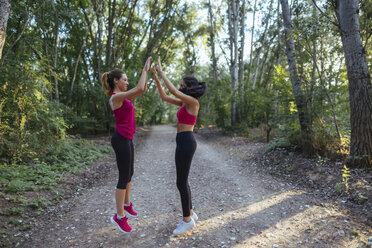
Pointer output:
x,y
193,87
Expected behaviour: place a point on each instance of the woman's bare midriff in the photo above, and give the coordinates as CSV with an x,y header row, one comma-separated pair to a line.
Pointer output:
x,y
184,128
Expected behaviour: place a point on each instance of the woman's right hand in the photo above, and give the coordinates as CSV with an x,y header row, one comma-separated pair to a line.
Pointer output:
x,y
160,70
155,73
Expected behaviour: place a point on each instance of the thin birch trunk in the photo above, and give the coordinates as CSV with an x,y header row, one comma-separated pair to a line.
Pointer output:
x,y
109,34
55,58
300,100
211,36
256,70
276,101
263,65
242,42
99,39
259,50
234,79
252,35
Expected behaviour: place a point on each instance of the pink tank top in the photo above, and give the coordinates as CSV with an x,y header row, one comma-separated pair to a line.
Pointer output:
x,y
185,117
124,116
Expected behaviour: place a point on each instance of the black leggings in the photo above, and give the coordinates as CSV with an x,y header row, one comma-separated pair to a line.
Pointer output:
x,y
124,151
186,146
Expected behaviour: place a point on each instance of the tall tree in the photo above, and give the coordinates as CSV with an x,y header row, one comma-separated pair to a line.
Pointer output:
x,y
55,56
212,29
233,23
303,115
252,35
4,14
79,56
242,42
360,88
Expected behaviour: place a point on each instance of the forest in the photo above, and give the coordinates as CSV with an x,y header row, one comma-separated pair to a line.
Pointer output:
x,y
298,70
290,76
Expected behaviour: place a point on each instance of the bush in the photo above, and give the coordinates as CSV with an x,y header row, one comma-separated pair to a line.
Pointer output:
x,y
29,122
71,155
289,138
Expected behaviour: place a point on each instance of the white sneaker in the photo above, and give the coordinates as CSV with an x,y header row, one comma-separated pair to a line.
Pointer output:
x,y
194,216
183,227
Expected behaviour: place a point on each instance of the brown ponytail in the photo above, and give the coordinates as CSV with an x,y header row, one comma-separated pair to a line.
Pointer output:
x,y
107,80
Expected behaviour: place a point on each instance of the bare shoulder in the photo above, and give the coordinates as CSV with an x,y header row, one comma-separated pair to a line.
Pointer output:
x,y
193,108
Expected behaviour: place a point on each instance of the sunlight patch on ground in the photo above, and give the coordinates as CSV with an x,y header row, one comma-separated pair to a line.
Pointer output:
x,y
314,226
172,132
144,129
241,213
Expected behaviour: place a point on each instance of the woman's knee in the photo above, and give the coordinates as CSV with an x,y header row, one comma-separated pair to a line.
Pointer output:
x,y
122,183
181,185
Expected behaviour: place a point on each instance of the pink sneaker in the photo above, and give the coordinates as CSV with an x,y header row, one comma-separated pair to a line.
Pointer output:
x,y
129,210
121,224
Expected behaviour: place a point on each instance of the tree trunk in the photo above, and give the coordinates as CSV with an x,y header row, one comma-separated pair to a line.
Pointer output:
x,y
16,40
233,33
55,57
267,20
264,65
360,88
252,35
242,41
303,114
316,72
55,63
256,69
109,41
276,98
4,14
79,56
211,34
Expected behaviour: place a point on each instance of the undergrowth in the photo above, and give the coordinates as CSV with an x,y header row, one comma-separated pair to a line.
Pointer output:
x,y
30,187
41,174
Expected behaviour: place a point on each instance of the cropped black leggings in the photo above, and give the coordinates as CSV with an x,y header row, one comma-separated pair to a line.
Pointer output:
x,y
186,146
124,151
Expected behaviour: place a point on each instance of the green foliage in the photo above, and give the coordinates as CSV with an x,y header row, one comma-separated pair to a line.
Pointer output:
x,y
338,188
289,139
14,211
18,185
345,178
29,123
39,203
25,227
362,199
356,233
14,221
219,95
70,155
38,104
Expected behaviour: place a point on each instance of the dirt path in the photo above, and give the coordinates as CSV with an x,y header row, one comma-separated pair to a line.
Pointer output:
x,y
237,207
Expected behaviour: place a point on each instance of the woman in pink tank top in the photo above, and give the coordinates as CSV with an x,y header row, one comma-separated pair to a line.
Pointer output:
x,y
115,85
187,99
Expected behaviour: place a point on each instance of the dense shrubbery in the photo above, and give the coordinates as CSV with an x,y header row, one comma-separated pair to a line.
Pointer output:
x,y
29,123
69,156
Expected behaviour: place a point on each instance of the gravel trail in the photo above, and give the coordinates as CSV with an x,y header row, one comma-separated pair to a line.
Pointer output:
x,y
237,207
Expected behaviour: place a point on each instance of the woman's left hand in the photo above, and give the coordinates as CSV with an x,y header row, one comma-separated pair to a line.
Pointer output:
x,y
147,64
160,69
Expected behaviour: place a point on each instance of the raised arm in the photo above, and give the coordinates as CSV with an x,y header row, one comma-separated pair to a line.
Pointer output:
x,y
140,88
162,93
174,91
142,83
